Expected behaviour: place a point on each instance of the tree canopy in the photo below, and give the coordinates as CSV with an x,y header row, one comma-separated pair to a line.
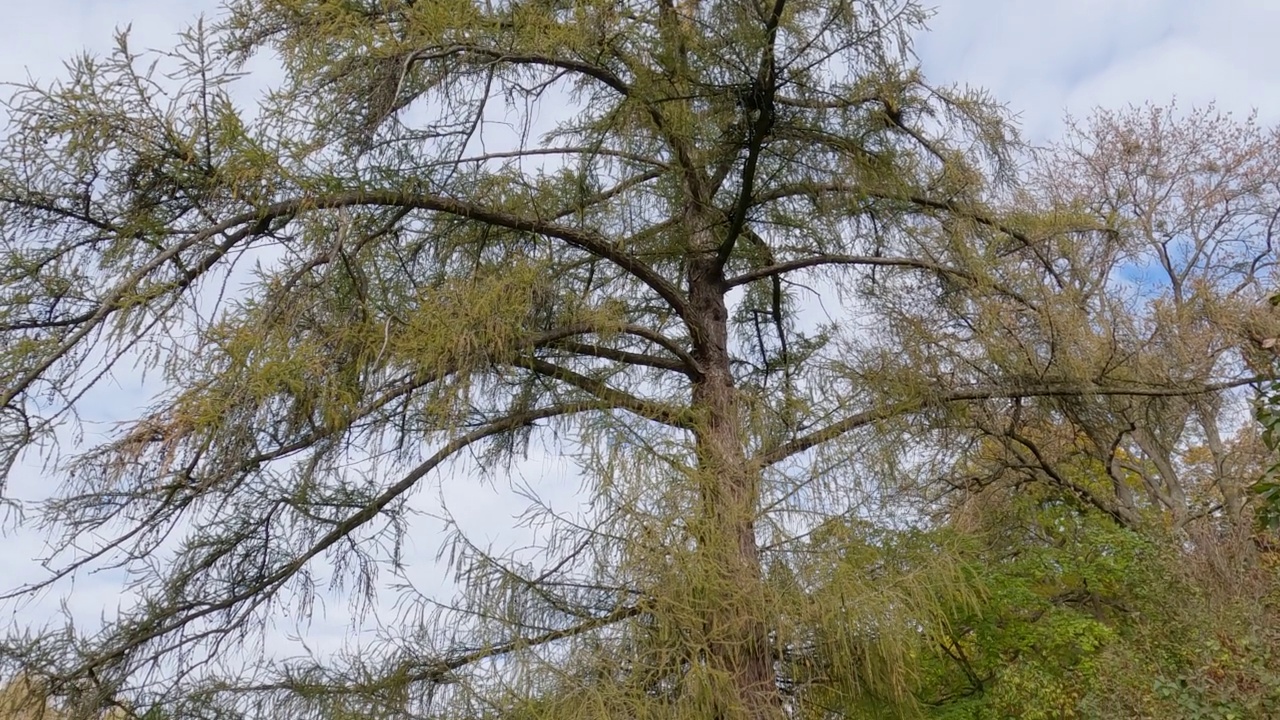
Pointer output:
x,y
827,344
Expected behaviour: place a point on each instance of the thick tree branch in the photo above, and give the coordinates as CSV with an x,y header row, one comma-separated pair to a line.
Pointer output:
x,y
585,240
665,343
647,409
558,337
589,150
781,452
1116,513
517,58
824,188
836,103
819,260
758,101
622,356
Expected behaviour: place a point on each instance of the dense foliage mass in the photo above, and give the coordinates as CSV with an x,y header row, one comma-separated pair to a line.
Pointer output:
x,y
878,412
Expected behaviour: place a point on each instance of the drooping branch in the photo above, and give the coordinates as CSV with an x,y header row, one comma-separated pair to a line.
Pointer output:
x,y
872,260
438,671
183,613
774,455
118,298
1121,515
176,496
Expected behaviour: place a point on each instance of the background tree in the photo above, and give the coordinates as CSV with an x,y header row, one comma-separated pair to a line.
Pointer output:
x,y
636,287
1170,287
24,699
1127,566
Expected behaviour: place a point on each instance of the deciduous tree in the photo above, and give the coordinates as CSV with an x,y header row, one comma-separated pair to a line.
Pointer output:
x,y
1166,284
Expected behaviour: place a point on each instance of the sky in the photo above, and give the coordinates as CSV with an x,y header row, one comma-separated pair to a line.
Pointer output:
x,y
1044,58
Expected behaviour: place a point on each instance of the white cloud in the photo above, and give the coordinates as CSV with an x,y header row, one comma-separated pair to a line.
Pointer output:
x,y
38,36
1048,58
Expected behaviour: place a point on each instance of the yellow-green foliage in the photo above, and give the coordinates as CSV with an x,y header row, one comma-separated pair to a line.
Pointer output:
x,y
460,234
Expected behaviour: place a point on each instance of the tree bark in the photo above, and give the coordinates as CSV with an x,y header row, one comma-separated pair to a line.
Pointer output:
x,y
735,607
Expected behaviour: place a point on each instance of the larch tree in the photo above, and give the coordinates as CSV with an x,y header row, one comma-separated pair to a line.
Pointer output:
x,y
418,281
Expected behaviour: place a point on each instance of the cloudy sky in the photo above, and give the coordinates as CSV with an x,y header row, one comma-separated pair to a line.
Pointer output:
x,y
1047,57
1043,58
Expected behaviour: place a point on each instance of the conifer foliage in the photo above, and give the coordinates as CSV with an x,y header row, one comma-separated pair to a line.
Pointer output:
x,y
730,256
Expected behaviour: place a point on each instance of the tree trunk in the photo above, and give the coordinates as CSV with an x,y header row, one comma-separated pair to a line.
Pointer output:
x,y
736,626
